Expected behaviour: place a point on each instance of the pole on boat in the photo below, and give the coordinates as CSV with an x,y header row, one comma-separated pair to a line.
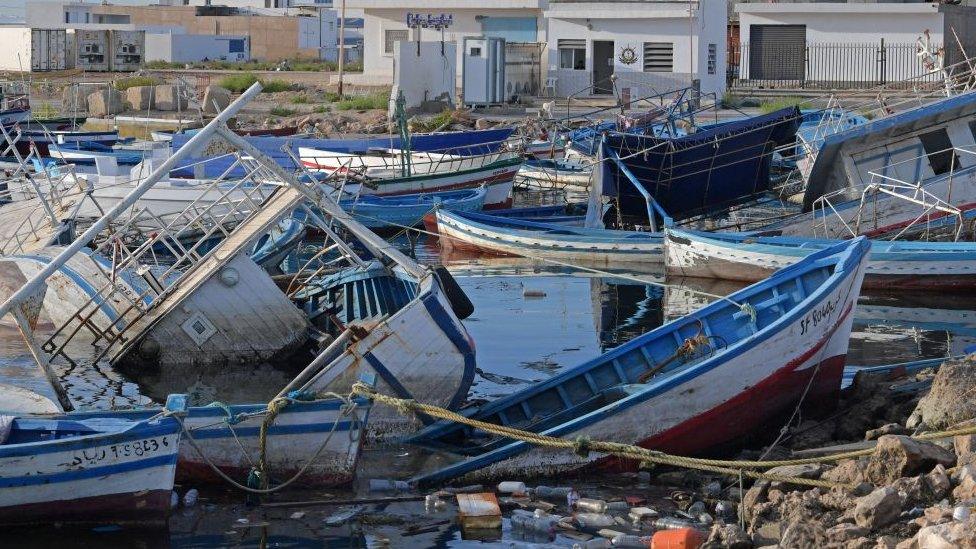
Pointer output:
x,y
323,201
160,172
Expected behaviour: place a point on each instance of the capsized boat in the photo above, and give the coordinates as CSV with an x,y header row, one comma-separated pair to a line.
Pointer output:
x,y
685,387
105,469
892,265
507,236
408,210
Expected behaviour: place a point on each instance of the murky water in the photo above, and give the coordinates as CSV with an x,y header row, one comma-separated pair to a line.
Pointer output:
x,y
520,340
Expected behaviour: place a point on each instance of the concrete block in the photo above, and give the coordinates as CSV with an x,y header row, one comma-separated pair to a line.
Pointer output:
x,y
141,98
168,98
215,99
105,102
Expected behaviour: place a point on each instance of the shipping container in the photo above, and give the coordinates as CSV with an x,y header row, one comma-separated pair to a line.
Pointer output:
x,y
92,50
127,49
26,49
191,48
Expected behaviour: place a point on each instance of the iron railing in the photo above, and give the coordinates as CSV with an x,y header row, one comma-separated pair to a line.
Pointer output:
x,y
825,65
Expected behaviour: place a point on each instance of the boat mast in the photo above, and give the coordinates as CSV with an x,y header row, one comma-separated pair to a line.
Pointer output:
x,y
400,113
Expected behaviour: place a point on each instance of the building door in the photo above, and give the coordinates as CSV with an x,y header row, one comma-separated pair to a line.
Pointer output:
x,y
777,52
602,66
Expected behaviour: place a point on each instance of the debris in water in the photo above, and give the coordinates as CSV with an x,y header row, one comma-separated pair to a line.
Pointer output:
x,y
343,516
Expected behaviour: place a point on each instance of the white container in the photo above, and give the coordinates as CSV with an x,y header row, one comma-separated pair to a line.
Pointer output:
x,y
127,49
35,50
92,50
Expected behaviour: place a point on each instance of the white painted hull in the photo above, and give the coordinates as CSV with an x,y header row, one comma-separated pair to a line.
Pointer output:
x,y
716,405
457,234
423,346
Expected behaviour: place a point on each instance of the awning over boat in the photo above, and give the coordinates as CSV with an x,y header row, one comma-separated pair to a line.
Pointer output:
x,y
699,173
829,173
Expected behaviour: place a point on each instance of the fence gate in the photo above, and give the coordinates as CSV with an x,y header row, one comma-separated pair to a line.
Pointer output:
x,y
777,52
523,68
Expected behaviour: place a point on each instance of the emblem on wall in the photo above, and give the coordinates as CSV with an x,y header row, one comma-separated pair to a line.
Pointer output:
x,y
628,55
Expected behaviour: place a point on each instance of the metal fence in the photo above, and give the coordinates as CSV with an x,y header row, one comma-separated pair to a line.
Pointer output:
x,y
523,68
825,65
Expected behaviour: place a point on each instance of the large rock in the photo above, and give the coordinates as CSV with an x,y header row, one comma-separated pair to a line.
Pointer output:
x,y
753,497
951,535
853,471
105,102
215,99
804,533
898,456
938,482
141,98
806,470
950,400
168,98
879,508
966,477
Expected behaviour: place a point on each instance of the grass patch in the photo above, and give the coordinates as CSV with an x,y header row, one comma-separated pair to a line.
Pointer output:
x,y
321,109
44,111
300,100
433,123
123,84
282,111
239,82
160,65
364,102
332,97
767,107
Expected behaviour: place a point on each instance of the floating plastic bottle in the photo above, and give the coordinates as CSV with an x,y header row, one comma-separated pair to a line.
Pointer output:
x,y
595,543
553,492
593,521
384,485
512,487
629,540
532,525
571,498
669,523
190,497
619,506
589,505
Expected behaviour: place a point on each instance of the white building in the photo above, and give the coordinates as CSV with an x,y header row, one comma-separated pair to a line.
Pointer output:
x,y
651,46
868,43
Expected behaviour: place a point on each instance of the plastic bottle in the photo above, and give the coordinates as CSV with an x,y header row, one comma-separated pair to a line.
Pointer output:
x,y
532,525
593,521
681,538
384,485
511,487
724,510
595,543
571,498
629,540
591,505
696,508
190,497
546,492
669,523
619,506
174,500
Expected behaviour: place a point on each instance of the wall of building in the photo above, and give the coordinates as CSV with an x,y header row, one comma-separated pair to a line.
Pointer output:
x,y
828,26
429,76
187,48
689,60
15,55
377,63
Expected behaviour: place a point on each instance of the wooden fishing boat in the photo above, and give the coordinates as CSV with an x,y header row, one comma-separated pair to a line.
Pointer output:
x,y
689,386
891,265
16,115
556,174
545,148
506,236
571,214
89,152
86,471
228,436
408,210
388,174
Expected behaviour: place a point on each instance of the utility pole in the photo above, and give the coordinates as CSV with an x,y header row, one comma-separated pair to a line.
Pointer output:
x,y
342,42
691,45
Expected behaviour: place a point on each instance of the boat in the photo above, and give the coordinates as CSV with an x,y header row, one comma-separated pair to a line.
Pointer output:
x,y
87,152
707,171
107,469
542,149
892,265
285,131
395,172
571,214
556,174
228,436
508,236
687,387
408,210
42,136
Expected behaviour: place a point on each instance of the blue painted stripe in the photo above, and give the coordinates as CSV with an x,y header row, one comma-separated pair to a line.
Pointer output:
x,y
445,322
387,376
125,432
293,408
276,429
91,472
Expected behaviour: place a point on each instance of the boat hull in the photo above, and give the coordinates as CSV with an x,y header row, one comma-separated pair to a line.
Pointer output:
x,y
699,256
603,247
118,476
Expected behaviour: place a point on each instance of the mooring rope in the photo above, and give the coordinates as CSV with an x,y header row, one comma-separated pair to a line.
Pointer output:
x,y
584,445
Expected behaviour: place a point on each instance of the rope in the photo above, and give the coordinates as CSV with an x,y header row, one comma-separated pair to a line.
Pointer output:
x,y
583,445
347,409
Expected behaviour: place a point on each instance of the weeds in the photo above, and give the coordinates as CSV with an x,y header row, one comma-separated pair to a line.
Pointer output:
x,y
282,111
239,82
364,102
123,84
783,102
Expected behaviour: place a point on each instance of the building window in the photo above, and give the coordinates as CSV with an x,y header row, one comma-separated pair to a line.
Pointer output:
x,y
938,148
572,54
391,37
658,57
712,58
